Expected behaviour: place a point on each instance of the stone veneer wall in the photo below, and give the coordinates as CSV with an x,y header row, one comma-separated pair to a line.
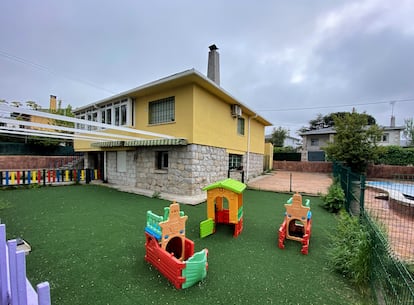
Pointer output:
x,y
114,176
256,165
190,168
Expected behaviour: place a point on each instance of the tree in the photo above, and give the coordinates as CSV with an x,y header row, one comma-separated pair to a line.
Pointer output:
x,y
278,136
326,121
33,105
409,131
355,142
16,104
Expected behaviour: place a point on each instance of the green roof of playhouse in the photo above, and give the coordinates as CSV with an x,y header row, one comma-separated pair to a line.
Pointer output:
x,y
228,184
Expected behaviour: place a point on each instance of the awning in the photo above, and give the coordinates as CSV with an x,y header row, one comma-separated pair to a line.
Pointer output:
x,y
137,143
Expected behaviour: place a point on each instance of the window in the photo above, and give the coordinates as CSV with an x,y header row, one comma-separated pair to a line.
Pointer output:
x,y
240,126
162,160
117,116
162,111
82,126
385,137
314,142
121,161
94,119
109,116
117,113
103,116
89,118
235,162
123,115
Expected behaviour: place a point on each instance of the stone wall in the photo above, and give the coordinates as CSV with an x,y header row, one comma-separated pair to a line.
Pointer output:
x,y
190,168
114,175
256,165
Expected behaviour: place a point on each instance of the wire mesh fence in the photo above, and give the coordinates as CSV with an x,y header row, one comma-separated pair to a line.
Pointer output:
x,y
386,207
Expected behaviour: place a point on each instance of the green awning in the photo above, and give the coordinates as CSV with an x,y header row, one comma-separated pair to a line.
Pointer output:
x,y
136,143
156,142
228,184
108,144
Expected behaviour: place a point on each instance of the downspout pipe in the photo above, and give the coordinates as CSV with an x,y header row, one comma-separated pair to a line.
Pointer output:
x,y
248,147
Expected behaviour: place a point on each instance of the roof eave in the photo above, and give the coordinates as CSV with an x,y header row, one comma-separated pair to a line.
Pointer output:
x,y
182,78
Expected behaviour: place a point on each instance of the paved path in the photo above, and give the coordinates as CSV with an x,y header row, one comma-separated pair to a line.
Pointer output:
x,y
285,181
276,181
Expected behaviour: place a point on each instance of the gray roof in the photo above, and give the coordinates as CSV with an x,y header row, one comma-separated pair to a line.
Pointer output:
x,y
331,130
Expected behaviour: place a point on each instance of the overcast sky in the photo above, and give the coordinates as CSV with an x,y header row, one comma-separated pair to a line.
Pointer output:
x,y
286,60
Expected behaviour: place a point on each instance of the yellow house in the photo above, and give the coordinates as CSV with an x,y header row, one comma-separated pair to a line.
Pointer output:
x,y
209,136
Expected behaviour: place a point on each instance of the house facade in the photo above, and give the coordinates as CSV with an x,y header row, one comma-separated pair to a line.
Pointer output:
x,y
314,140
192,133
292,142
288,142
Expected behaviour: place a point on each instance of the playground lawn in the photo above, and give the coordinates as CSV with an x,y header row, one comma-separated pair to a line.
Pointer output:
x,y
88,243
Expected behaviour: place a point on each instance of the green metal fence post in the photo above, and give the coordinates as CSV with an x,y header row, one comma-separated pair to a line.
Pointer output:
x,y
362,194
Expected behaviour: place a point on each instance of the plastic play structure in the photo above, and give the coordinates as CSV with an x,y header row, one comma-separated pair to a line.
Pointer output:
x,y
297,224
224,205
170,251
15,288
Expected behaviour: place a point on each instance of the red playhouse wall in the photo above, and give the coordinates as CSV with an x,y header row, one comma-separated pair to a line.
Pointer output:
x,y
165,262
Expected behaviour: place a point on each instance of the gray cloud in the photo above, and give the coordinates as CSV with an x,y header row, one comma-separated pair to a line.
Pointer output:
x,y
288,61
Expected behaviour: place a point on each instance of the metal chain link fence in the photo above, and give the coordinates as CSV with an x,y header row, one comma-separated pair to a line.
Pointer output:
x,y
386,208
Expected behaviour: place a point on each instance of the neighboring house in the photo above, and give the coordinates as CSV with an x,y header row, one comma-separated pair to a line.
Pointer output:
x,y
202,134
35,122
292,142
314,140
289,141
37,119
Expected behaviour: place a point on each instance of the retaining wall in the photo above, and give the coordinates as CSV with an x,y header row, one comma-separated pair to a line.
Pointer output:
x,y
33,162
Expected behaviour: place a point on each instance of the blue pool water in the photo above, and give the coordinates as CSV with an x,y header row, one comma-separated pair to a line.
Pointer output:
x,y
406,189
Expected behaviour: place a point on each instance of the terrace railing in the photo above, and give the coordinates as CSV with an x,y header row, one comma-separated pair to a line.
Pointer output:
x,y
388,215
47,176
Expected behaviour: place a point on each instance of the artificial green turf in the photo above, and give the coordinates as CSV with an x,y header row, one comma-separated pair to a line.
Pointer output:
x,y
88,242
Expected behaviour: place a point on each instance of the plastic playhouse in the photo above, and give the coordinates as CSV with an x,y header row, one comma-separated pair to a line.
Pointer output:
x,y
170,251
297,224
224,205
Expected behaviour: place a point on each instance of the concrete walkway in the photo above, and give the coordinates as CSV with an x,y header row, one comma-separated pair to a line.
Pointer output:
x,y
285,181
276,181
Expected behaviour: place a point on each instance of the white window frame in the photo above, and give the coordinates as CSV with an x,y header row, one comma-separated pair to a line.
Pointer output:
x,y
235,162
107,113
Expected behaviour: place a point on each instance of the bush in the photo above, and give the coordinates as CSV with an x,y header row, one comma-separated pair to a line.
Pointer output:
x,y
395,155
351,250
335,199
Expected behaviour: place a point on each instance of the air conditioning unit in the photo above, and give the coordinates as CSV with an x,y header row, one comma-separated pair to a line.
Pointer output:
x,y
236,111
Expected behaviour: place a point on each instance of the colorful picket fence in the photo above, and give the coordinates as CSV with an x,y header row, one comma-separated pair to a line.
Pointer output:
x,y
44,176
15,288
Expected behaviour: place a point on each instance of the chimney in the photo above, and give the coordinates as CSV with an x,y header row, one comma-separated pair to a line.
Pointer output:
x,y
213,69
392,121
52,106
